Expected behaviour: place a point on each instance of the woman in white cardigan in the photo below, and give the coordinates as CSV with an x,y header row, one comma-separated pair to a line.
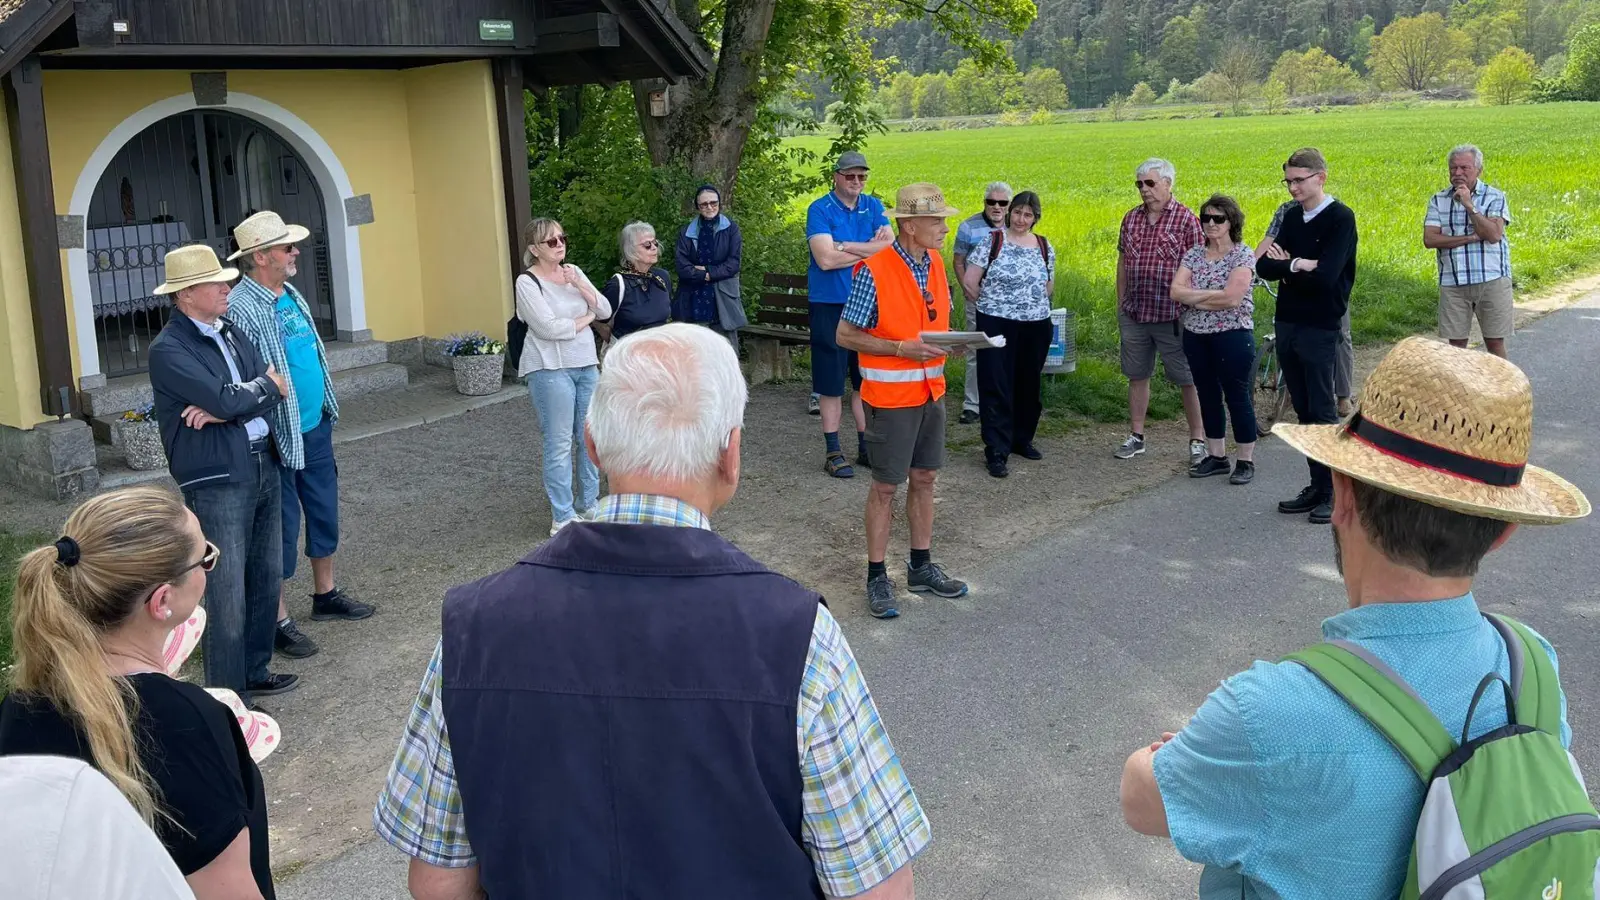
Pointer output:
x,y
558,304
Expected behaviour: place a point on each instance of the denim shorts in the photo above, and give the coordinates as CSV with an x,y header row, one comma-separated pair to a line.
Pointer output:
x,y
830,363
315,491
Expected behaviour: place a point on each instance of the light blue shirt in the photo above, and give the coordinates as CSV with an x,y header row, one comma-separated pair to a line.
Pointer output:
x,y
305,363
256,428
1282,790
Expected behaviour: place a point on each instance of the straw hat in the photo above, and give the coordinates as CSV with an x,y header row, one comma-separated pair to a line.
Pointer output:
x,y
182,640
920,199
265,229
261,732
192,265
1449,427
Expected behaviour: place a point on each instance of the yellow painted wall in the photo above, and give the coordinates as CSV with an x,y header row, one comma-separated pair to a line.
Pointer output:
x,y
19,356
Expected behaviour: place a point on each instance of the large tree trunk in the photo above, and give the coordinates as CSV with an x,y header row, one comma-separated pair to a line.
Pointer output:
x,y
709,120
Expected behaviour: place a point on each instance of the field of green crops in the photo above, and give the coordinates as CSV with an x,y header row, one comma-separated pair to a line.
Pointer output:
x,y
1383,163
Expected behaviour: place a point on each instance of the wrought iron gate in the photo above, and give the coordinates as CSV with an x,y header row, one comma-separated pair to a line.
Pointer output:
x,y
189,179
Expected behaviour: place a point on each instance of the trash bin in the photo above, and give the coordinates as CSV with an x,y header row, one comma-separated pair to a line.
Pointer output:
x,y
1063,354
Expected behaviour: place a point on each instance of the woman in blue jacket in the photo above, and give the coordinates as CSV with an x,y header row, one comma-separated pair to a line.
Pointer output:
x,y
707,260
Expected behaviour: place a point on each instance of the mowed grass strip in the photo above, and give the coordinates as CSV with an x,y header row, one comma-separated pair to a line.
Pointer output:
x,y
12,547
1384,163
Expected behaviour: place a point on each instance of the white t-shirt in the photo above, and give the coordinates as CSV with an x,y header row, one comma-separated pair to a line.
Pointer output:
x,y
68,833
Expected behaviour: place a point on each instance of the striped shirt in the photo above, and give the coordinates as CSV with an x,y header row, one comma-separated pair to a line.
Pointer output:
x,y
1478,262
861,821
255,310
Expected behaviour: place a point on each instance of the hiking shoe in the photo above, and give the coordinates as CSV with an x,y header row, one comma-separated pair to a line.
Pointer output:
x,y
1303,502
276,683
997,467
1211,465
1030,452
290,641
1197,451
339,605
1322,513
814,409
836,465
880,598
968,416
1130,448
929,578
1243,471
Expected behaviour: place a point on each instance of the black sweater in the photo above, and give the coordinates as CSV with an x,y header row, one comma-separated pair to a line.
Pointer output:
x,y
1319,298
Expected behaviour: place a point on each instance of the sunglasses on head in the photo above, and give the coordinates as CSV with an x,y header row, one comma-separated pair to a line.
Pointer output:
x,y
559,240
1147,182
1213,218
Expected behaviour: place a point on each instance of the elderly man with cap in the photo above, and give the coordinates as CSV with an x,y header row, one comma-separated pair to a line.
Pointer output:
x,y
843,227
1281,786
277,320
213,394
899,293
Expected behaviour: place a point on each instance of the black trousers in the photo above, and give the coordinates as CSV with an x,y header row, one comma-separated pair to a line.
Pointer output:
x,y
1223,363
1009,395
1308,357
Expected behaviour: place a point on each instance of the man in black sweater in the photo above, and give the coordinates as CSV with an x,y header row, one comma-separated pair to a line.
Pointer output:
x,y
1314,260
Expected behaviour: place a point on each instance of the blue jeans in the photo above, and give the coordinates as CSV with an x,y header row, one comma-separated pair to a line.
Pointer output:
x,y
242,591
315,491
561,401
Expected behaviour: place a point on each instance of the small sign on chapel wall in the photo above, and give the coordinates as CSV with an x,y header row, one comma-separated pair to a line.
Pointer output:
x,y
496,30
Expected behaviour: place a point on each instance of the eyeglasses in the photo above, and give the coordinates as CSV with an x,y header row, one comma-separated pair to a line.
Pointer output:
x,y
1213,219
649,245
287,248
1147,182
927,299
208,560
1291,182
854,176
559,240
1000,203
708,204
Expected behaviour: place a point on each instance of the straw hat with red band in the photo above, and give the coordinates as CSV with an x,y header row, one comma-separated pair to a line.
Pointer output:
x,y
261,732
1449,427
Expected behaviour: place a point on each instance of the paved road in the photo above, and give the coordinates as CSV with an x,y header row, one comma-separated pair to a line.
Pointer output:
x,y
1014,709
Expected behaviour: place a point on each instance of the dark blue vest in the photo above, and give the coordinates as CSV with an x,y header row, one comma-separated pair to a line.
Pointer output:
x,y
621,708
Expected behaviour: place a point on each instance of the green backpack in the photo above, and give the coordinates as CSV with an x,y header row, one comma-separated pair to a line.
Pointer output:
x,y
1506,815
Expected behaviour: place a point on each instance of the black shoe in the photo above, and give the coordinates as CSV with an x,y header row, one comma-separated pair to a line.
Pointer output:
x,y
1303,502
880,598
1322,514
862,460
997,468
929,578
1030,452
339,605
276,683
290,641
1243,471
1211,465
967,417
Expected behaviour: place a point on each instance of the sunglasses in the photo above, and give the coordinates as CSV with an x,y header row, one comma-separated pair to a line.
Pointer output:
x,y
1211,219
854,176
1000,203
1147,182
207,562
927,299
1291,182
707,204
651,244
559,240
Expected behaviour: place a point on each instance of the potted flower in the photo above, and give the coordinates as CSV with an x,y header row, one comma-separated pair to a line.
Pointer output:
x,y
478,360
140,438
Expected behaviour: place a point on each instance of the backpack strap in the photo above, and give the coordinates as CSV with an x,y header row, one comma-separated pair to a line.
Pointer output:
x,y
1044,250
1384,699
1533,676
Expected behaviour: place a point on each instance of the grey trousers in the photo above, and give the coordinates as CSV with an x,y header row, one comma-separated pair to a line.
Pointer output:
x,y
1344,367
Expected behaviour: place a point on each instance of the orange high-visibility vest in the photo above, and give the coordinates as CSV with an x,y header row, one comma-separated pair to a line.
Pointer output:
x,y
894,382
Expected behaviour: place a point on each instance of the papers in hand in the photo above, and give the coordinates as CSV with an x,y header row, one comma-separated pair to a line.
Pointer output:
x,y
970,340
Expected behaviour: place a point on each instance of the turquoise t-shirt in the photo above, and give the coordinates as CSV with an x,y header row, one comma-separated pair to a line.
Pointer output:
x,y
305,367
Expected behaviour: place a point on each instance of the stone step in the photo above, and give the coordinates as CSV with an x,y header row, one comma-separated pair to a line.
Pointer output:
x,y
114,471
367,379
118,396
345,356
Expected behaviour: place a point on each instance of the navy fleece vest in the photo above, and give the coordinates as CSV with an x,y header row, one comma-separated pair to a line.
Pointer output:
x,y
621,708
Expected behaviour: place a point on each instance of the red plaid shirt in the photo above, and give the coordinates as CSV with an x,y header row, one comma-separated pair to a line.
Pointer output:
x,y
1152,254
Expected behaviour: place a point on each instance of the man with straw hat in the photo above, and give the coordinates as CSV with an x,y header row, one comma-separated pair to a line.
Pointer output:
x,y
1277,785
277,319
897,295
213,393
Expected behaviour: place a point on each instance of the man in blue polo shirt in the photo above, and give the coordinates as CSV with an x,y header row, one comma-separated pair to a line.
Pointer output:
x,y
843,227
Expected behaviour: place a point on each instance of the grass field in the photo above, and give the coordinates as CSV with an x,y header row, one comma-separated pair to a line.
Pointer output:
x,y
12,546
1383,163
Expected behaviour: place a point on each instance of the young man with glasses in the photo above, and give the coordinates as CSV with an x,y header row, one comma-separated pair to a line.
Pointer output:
x,y
973,231
843,227
1314,260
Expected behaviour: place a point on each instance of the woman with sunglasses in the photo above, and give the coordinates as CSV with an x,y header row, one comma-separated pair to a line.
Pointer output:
x,y
562,364
640,293
707,260
90,619
1213,287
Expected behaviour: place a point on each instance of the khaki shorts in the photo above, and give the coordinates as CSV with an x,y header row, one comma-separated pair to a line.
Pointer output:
x,y
1490,301
899,440
1141,341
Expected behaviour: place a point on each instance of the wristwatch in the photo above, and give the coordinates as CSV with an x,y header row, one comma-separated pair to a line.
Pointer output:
x,y
838,246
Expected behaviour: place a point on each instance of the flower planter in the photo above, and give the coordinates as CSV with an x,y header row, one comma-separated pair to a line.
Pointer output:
x,y
141,444
479,375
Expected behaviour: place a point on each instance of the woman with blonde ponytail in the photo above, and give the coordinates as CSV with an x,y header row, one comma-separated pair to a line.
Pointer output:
x,y
89,619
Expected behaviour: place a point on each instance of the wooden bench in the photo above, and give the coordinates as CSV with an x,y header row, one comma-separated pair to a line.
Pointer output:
x,y
782,319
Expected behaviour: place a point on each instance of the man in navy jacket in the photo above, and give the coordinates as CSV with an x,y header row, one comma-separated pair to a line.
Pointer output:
x,y
212,393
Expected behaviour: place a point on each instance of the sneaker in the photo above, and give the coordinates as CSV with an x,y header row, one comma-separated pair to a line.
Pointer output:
x,y
557,526
968,416
339,605
997,467
814,409
1243,471
276,683
1030,452
836,465
1197,451
290,641
1303,502
1130,448
929,578
880,598
1322,513
1211,465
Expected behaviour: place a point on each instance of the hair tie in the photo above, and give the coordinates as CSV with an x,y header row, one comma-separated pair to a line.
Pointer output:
x,y
67,552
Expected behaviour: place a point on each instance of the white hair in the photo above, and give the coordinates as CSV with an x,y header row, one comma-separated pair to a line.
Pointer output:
x,y
1159,166
631,233
1466,150
998,186
667,402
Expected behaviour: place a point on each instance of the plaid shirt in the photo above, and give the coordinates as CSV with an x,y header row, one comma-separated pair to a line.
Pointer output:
x,y
861,309
1151,255
1478,262
861,821
254,309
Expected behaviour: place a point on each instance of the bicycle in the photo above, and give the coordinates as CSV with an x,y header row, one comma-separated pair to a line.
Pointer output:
x,y
1269,376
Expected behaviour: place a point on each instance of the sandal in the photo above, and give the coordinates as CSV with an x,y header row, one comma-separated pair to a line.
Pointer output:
x,y
837,466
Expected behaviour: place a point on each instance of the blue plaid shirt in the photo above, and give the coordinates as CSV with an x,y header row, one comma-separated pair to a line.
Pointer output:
x,y
254,309
861,309
861,821
1478,262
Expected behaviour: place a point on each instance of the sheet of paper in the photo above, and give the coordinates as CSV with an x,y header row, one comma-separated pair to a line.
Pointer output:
x,y
969,339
